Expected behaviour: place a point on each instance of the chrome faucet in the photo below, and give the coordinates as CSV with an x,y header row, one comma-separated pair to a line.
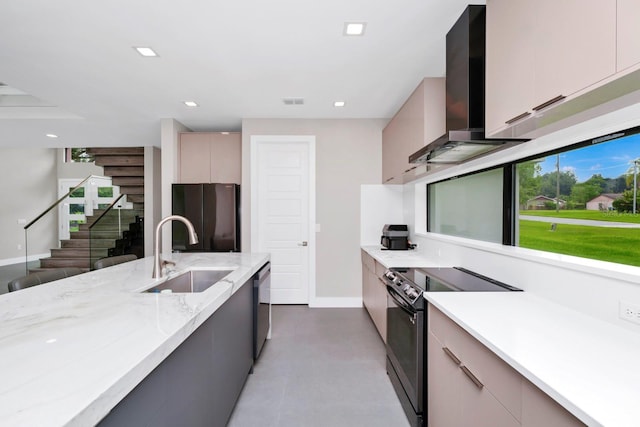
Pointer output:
x,y
193,239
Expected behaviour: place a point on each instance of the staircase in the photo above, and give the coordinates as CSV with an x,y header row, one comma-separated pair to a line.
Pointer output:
x,y
125,166
86,247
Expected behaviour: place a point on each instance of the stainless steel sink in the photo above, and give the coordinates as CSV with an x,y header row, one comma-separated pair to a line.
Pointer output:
x,y
191,281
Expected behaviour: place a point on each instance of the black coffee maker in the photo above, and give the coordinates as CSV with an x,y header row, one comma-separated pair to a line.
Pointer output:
x,y
395,237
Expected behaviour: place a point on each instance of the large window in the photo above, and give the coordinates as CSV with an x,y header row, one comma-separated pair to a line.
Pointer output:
x,y
579,201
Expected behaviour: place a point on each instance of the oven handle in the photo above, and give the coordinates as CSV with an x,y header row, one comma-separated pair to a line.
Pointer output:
x,y
401,303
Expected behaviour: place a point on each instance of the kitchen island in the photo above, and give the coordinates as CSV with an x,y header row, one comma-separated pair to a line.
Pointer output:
x,y
71,350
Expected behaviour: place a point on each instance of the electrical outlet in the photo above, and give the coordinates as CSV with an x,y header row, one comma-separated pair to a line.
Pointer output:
x,y
630,312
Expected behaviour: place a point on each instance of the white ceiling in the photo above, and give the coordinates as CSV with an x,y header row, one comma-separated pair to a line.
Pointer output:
x,y
237,59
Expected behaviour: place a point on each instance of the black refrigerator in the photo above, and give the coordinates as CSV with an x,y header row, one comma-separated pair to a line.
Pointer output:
x,y
214,210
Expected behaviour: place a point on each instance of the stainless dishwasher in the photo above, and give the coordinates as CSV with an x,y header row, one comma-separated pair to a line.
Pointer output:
x,y
261,308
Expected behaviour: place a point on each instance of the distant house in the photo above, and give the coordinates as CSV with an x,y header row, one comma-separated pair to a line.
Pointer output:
x,y
603,202
540,202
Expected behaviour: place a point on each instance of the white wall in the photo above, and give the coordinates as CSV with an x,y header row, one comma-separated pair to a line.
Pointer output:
x,y
348,154
29,186
169,138
590,286
152,195
75,170
379,205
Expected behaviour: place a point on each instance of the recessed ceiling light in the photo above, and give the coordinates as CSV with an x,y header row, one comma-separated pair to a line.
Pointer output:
x,y
225,133
51,135
146,51
338,104
354,28
190,103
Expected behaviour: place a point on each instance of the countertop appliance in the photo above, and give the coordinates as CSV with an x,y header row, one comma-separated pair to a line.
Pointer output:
x,y
465,63
214,211
261,308
395,237
407,327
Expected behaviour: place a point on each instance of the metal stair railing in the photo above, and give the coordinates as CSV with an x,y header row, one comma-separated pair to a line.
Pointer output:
x,y
112,224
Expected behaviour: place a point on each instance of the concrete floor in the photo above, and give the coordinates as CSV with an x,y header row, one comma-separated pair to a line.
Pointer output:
x,y
322,367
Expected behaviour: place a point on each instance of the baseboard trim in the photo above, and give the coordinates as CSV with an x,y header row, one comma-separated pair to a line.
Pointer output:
x,y
20,260
328,302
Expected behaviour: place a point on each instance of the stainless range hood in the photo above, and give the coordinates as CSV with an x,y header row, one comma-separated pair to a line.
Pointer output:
x,y
465,137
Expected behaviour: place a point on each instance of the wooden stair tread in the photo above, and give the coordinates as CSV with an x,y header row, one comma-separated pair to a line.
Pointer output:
x,y
130,190
111,151
119,160
114,171
128,180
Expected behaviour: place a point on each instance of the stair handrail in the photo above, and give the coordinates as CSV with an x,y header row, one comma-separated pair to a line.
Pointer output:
x,y
111,206
46,211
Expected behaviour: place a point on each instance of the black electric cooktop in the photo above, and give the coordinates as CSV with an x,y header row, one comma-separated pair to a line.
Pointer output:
x,y
452,279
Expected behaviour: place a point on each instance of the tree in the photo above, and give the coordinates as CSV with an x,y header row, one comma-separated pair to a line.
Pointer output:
x,y
583,192
624,203
548,183
528,181
598,180
616,185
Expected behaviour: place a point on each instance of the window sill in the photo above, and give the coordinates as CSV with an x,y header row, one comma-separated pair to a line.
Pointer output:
x,y
604,269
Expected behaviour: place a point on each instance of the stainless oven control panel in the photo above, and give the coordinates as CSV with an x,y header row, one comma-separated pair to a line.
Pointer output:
x,y
402,286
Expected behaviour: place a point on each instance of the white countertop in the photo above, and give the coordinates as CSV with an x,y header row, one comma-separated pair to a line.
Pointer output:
x,y
587,365
70,350
409,258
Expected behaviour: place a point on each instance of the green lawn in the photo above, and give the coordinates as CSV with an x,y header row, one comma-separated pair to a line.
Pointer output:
x,y
584,214
621,245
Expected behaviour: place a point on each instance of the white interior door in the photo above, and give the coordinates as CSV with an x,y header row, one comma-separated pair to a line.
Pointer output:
x,y
283,212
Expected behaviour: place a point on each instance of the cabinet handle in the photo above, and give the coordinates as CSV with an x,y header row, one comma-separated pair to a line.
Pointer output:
x,y
549,102
451,355
472,377
389,179
518,117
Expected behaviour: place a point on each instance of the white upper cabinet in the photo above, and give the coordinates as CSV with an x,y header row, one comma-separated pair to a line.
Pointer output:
x,y
628,34
510,64
575,45
540,51
420,120
207,157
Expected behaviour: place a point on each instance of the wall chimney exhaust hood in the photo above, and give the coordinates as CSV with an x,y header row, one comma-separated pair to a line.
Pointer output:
x,y
465,137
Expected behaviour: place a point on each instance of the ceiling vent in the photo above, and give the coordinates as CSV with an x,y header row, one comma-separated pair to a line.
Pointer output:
x,y
293,101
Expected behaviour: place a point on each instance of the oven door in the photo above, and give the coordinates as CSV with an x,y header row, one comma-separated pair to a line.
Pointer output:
x,y
405,346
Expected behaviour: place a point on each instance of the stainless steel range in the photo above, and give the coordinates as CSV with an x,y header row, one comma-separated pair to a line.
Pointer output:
x,y
407,327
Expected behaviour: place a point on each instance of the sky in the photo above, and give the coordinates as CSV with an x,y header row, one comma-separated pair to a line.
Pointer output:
x,y
609,159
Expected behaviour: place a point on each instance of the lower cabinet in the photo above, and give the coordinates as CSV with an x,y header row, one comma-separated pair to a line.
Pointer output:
x,y
199,383
374,293
468,385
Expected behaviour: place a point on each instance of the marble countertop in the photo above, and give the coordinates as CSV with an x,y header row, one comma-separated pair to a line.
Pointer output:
x,y
70,350
587,365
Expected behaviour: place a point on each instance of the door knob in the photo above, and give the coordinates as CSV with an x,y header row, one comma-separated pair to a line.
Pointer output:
x,y
303,243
